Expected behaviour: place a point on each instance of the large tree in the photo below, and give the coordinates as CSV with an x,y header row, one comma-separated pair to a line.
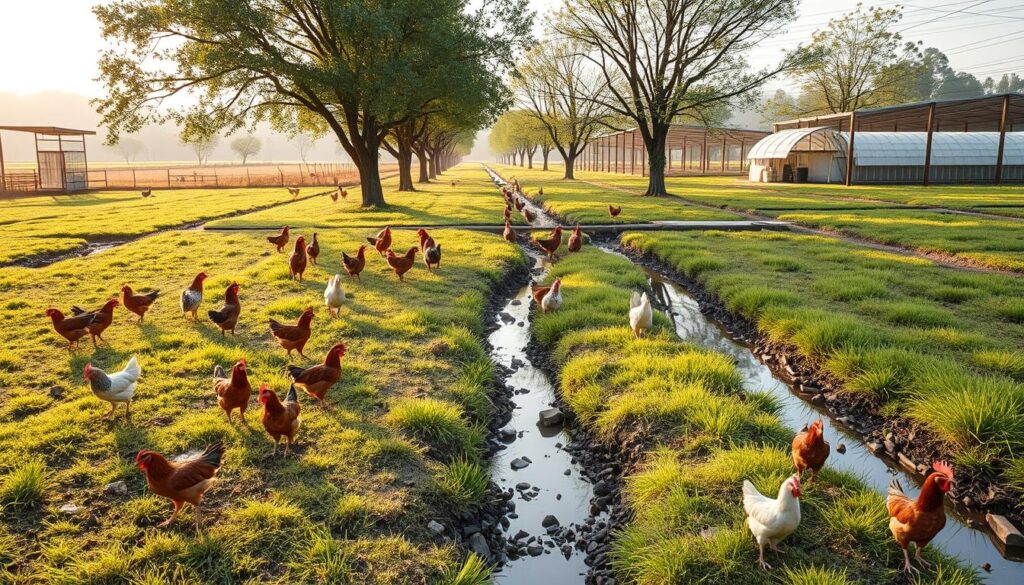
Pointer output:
x,y
362,67
667,59
556,85
246,146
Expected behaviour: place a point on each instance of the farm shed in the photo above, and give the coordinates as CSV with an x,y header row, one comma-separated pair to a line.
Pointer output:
x,y
975,140
61,161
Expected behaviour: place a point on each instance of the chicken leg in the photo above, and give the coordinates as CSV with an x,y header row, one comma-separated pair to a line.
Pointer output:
x,y
174,515
920,560
907,567
760,557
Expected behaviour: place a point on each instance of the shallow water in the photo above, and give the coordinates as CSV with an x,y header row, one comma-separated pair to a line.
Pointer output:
x,y
973,547
567,497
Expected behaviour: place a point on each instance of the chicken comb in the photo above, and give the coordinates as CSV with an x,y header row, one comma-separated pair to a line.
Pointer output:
x,y
944,468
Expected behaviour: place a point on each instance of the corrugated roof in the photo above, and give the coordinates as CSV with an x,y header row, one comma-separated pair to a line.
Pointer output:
x,y
884,149
52,130
780,144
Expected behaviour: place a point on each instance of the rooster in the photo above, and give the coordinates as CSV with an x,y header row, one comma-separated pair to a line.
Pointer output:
x,y
181,482
614,211
529,215
138,304
294,192
317,380
401,264
334,195
233,392
509,234
576,240
280,240
810,450
919,521
553,299
313,249
227,316
382,241
147,193
425,240
551,243
353,266
641,318
116,388
293,337
192,296
280,419
71,328
297,262
104,316
334,296
770,520
538,293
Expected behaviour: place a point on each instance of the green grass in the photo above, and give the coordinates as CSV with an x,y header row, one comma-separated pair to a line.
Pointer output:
x,y
352,501
888,327
704,435
464,482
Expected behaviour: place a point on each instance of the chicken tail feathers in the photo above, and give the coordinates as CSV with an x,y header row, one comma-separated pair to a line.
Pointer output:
x,y
213,454
153,295
217,316
75,310
275,325
133,371
895,489
372,241
293,396
295,371
634,300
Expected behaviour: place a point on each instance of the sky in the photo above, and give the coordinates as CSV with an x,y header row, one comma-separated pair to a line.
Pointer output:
x,y
983,37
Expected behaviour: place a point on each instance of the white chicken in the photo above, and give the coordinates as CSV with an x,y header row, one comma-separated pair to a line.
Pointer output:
x,y
116,388
553,299
334,295
770,520
641,318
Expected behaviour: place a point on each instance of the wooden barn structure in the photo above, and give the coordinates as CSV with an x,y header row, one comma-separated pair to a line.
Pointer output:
x,y
61,161
689,148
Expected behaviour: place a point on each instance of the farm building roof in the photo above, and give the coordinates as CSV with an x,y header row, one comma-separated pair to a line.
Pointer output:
x,y
51,130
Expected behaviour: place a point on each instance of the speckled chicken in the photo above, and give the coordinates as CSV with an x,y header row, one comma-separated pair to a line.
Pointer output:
x,y
117,388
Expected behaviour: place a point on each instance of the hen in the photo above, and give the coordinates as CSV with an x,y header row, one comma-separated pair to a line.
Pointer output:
x,y
919,521
432,257
233,392
297,261
425,240
280,419
313,249
293,337
192,296
294,192
551,243
227,316
353,266
538,293
70,328
508,215
770,520
334,296
810,450
401,264
334,195
317,380
147,193
181,482
641,317
280,240
614,211
576,240
137,304
552,301
509,234
382,241
116,388
529,215
103,317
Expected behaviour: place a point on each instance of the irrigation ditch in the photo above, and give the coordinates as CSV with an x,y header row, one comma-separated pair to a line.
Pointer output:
x,y
563,505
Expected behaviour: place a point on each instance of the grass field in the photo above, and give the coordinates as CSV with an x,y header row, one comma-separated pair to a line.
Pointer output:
x,y
934,345
704,436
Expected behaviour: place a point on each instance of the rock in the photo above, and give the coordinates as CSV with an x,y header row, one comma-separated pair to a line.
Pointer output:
x,y
1005,531
874,447
516,302
907,462
57,391
567,472
841,448
506,317
470,530
507,435
478,544
118,488
519,463
710,532
534,550
987,567
435,527
70,509
551,417
549,521
522,486
818,399
522,534
889,446
602,488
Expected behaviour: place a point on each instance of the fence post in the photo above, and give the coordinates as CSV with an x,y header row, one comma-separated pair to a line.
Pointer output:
x,y
216,182
282,175
135,184
168,177
248,179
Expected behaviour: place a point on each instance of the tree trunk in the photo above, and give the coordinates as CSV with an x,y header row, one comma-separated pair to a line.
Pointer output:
x,y
570,166
656,161
405,170
424,174
432,165
369,182
546,154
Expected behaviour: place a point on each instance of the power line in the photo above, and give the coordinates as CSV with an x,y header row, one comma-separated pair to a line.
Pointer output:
x,y
945,15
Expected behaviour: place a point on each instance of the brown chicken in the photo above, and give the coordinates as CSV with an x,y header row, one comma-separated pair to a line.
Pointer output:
x,y
233,392
294,192
575,240
508,215
192,296
313,249
293,337
614,211
355,265
137,304
919,521
147,193
539,292
344,193
551,243
382,241
519,204
401,264
810,450
280,240
425,240
509,234
281,419
71,328
181,482
334,195
529,215
298,261
317,380
104,316
227,316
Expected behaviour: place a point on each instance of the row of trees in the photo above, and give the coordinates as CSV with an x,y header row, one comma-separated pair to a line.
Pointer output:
x,y
415,77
